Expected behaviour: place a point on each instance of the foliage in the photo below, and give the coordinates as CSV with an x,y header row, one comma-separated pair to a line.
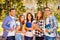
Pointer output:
x,y
45,3
5,5
57,15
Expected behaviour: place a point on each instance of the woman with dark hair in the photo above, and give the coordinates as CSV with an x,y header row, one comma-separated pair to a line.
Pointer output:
x,y
29,27
20,28
40,22
29,17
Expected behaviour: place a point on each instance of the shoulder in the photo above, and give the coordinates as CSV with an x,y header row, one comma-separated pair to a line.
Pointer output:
x,y
42,20
53,17
6,17
18,23
33,21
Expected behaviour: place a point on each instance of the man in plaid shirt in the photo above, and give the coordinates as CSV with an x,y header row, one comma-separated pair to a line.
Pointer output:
x,y
51,25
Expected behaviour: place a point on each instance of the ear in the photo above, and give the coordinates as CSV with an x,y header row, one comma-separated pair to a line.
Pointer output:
x,y
9,13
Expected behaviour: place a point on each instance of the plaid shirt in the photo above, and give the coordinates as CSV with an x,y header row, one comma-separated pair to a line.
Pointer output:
x,y
40,25
53,26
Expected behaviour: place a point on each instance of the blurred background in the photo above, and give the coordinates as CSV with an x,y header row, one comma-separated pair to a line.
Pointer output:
x,y
24,6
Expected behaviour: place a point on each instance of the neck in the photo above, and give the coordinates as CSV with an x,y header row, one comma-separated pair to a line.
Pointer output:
x,y
38,19
47,16
29,21
21,22
11,15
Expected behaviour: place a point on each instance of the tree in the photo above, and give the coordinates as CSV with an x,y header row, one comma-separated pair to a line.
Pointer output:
x,y
6,5
45,3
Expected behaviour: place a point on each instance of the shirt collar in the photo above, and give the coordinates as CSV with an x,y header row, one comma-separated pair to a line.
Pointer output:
x,y
12,17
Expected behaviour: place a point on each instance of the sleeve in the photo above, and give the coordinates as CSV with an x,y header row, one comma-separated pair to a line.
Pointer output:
x,y
34,22
55,23
5,22
17,23
43,25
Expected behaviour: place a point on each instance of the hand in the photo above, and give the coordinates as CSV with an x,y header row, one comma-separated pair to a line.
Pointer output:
x,y
36,27
29,28
51,30
46,30
41,30
12,29
23,31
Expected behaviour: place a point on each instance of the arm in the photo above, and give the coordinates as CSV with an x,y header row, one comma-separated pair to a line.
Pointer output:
x,y
17,29
29,28
35,27
55,23
4,25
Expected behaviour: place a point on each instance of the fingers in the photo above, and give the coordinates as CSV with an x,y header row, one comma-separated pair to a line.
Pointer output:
x,y
46,30
12,29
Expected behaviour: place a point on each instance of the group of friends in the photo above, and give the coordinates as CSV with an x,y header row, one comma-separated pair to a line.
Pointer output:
x,y
43,27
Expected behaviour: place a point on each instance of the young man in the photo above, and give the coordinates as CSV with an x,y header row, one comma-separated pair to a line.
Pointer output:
x,y
9,25
50,25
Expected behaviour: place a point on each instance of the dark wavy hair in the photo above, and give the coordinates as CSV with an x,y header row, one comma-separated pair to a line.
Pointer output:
x,y
27,17
12,9
47,8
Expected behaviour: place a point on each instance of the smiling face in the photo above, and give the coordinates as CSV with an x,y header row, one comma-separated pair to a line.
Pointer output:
x,y
12,12
21,18
39,14
47,12
29,17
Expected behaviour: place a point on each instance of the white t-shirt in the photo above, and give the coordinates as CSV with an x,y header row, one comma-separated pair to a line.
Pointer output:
x,y
29,34
47,21
12,24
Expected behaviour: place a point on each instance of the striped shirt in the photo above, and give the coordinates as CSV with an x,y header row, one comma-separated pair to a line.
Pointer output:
x,y
40,25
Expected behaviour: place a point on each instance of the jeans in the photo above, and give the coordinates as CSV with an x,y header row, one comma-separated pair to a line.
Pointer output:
x,y
39,38
48,38
28,38
11,38
18,37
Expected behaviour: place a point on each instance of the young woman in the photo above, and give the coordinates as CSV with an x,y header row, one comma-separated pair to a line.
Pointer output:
x,y
29,27
20,28
40,22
